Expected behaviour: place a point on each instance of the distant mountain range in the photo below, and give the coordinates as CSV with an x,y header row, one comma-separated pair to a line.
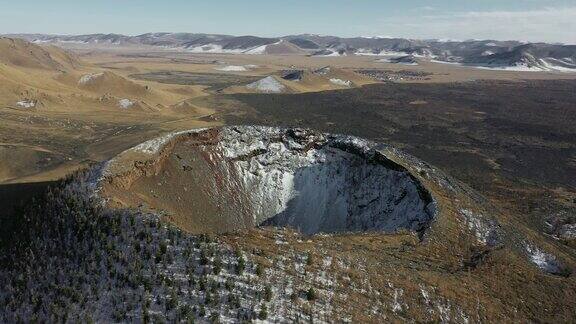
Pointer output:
x,y
508,55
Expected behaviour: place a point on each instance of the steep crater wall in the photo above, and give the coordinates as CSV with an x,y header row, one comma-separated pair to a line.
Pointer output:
x,y
231,178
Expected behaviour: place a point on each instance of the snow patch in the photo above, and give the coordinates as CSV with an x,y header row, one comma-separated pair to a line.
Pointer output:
x,y
267,85
237,68
553,65
154,146
513,68
26,103
516,68
340,82
568,231
261,49
398,60
219,49
215,49
543,260
85,79
232,68
332,54
396,304
485,230
370,52
125,103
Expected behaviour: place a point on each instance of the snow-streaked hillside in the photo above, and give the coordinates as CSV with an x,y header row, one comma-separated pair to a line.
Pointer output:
x,y
504,55
92,265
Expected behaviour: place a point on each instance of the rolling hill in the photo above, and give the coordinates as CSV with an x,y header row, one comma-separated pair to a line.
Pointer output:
x,y
38,76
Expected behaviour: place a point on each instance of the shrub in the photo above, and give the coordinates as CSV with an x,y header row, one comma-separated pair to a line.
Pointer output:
x,y
145,315
203,258
172,302
241,265
259,269
263,314
185,311
267,293
163,248
311,294
202,284
309,259
229,285
217,265
215,317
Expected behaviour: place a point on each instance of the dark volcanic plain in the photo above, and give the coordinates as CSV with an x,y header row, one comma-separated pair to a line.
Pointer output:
x,y
513,141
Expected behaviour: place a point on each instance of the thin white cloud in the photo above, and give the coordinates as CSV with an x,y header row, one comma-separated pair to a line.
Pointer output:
x,y
547,24
427,8
540,13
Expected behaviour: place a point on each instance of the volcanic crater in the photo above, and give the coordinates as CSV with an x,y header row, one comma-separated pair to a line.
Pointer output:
x,y
229,178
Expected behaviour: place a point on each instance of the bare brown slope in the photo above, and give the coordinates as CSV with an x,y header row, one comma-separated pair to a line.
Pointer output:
x,y
111,83
47,77
20,53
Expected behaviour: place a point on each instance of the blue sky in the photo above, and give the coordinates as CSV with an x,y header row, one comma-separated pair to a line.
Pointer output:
x,y
530,20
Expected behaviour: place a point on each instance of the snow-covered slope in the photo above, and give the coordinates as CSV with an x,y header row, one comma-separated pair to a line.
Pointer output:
x,y
318,184
89,265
